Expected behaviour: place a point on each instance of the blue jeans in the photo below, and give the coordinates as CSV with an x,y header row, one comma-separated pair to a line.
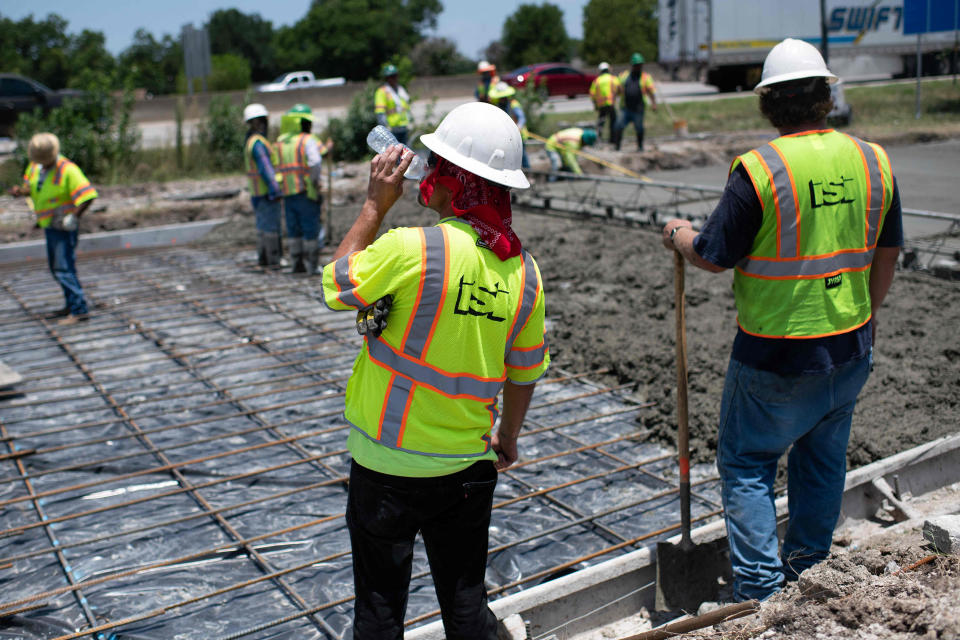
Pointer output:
x,y
61,250
267,213
626,117
762,414
303,216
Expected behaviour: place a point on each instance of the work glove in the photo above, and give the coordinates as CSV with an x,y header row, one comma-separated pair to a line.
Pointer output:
x,y
372,319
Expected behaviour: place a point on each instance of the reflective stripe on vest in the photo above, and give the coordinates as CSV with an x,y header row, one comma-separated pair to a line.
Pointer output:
x,y
258,187
407,365
293,167
824,196
789,264
47,206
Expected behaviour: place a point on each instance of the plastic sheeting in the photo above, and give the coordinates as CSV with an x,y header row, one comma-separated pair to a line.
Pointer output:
x,y
189,451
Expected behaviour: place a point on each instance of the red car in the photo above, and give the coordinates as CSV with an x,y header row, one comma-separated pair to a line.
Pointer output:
x,y
559,78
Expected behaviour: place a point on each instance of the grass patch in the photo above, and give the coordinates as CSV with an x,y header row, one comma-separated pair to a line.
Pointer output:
x,y
877,112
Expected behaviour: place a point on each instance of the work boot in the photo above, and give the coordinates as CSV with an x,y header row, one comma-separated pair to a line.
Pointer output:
x,y
311,252
262,249
296,255
273,250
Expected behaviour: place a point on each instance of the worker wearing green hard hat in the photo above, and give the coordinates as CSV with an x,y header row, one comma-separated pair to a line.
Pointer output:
x,y
638,92
391,104
301,157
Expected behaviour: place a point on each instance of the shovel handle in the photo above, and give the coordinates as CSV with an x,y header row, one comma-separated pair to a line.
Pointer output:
x,y
683,428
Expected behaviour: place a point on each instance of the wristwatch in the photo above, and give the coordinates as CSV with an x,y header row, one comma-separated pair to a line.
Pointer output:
x,y
673,232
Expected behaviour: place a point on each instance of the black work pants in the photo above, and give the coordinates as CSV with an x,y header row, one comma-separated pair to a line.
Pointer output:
x,y
609,114
452,513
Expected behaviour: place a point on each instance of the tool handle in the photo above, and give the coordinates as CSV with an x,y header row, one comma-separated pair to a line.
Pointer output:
x,y
683,428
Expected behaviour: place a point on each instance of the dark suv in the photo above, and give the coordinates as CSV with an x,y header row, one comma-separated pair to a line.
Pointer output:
x,y
19,94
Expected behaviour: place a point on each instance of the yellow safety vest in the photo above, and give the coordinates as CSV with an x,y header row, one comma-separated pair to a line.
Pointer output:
x,y
825,197
462,322
566,140
603,89
63,189
398,113
258,187
483,90
293,169
646,86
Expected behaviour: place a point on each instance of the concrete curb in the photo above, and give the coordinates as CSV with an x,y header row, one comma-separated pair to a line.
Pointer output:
x,y
620,587
170,234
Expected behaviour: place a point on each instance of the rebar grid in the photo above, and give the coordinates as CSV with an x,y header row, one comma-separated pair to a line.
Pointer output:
x,y
193,365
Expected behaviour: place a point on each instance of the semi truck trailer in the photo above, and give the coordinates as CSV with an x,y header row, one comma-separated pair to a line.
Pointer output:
x,y
728,39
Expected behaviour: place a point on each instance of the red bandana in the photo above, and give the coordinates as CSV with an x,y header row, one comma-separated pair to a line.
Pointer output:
x,y
484,204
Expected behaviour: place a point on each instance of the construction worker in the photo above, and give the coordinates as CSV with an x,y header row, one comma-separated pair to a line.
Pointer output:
x,y
60,194
391,103
503,96
604,91
812,223
638,91
562,147
300,170
467,321
264,190
488,78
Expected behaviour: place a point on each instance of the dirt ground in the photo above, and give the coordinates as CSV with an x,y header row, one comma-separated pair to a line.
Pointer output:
x,y
610,310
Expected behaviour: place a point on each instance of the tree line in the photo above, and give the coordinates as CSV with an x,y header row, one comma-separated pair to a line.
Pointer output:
x,y
349,38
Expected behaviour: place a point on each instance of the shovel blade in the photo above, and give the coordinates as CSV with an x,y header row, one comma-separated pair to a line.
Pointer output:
x,y
686,576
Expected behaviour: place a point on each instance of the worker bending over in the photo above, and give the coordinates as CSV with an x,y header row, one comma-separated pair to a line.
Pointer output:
x,y
638,92
604,91
260,159
60,194
467,321
811,221
562,147
391,103
301,171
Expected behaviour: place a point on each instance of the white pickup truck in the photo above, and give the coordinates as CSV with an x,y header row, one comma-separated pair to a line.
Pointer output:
x,y
299,80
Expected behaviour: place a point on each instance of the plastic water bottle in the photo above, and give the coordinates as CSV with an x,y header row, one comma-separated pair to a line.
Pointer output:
x,y
381,138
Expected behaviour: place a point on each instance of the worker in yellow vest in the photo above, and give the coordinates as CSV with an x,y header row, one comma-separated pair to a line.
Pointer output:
x,y
811,223
562,147
488,79
391,103
638,91
604,91
260,158
300,172
503,96
465,321
60,194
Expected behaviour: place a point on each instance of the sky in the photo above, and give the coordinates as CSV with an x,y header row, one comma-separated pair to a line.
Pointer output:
x,y
471,25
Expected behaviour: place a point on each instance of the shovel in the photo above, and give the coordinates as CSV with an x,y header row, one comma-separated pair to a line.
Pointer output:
x,y
686,572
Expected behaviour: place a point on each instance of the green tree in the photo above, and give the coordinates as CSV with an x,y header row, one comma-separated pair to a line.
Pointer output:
x,y
439,57
36,48
246,35
96,130
222,134
614,29
353,38
88,54
350,134
534,33
152,64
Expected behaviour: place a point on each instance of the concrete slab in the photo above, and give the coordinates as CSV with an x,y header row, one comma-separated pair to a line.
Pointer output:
x,y
164,235
944,533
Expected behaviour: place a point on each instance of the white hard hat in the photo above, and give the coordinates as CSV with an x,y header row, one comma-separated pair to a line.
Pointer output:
x,y
603,66
482,139
254,110
483,65
793,60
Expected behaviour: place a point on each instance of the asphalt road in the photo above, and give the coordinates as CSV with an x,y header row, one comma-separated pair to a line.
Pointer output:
x,y
163,133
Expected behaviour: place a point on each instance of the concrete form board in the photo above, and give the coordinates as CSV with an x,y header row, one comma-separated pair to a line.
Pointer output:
x,y
164,235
